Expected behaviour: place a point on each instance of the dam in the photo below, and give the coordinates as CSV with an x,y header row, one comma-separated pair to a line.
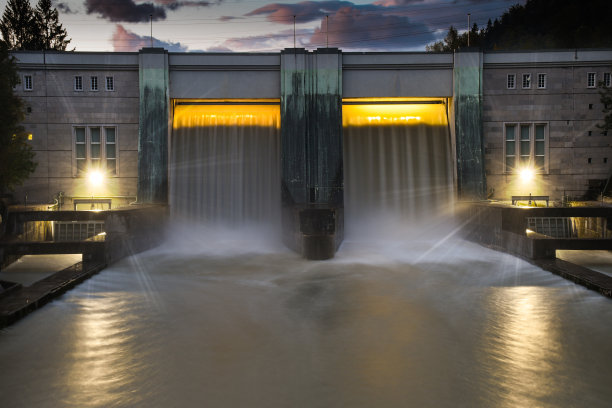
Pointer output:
x,y
309,141
313,151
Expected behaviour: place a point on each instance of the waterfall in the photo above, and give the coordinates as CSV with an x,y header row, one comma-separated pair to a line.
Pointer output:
x,y
225,164
398,165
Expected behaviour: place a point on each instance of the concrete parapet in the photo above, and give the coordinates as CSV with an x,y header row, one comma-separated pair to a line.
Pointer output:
x,y
133,230
506,228
127,231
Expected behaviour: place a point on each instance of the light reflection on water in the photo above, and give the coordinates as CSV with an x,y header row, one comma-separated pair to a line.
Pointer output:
x,y
230,327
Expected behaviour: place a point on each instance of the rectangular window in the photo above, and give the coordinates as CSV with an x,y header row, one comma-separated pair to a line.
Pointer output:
x,y
511,81
540,147
607,79
94,83
510,147
541,81
27,83
526,81
95,149
525,146
591,79
80,150
110,83
111,151
78,83
525,149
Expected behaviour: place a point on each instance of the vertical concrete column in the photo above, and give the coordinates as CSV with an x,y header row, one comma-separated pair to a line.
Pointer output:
x,y
153,126
311,151
467,79
295,96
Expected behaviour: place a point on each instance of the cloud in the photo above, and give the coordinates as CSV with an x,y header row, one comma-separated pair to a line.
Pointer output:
x,y
174,4
65,8
304,12
125,10
131,12
124,40
350,28
267,42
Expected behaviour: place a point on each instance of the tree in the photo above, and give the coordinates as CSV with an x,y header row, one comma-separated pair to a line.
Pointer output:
x,y
540,24
454,41
51,32
18,26
605,93
16,155
24,28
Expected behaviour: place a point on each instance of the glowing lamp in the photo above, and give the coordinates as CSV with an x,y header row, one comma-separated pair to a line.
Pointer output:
x,y
95,177
526,175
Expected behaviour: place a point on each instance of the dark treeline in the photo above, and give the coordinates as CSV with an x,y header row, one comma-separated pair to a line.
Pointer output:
x,y
540,24
26,28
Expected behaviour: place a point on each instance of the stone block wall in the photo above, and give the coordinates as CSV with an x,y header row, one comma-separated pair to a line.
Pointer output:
x,y
569,109
54,108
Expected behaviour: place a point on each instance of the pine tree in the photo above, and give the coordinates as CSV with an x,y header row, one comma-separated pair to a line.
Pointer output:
x,y
18,26
51,33
24,28
16,156
605,94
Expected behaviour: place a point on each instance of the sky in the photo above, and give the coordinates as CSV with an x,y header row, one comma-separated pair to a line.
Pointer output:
x,y
264,26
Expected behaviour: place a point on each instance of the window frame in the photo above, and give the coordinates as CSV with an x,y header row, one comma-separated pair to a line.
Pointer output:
x,y
92,79
523,76
545,80
78,83
532,146
513,76
589,85
27,77
112,82
607,79
88,143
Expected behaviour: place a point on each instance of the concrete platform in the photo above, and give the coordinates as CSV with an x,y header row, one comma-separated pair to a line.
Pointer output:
x,y
586,277
599,261
30,269
20,302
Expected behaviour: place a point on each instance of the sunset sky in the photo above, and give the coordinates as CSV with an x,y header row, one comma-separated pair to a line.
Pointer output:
x,y
260,25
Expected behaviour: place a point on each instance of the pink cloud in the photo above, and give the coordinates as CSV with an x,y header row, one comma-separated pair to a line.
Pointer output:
x,y
124,40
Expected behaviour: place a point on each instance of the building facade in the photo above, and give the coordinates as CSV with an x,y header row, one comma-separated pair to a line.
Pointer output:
x,y
505,111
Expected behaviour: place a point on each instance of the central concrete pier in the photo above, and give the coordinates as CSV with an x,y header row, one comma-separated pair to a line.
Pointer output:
x,y
311,151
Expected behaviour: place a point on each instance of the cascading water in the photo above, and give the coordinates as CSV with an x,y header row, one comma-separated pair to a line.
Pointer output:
x,y
225,164
397,163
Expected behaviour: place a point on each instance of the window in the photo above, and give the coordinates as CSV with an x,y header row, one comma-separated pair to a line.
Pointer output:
x,y
525,146
511,81
526,81
110,83
591,78
607,79
541,81
78,83
94,83
95,148
27,83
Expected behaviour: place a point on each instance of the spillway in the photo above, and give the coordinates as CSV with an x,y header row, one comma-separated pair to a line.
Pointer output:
x,y
397,162
225,163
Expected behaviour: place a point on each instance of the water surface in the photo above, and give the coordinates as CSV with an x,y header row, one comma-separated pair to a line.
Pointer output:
x,y
239,321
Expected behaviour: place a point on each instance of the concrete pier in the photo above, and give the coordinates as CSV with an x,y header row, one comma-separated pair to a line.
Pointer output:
x,y
311,156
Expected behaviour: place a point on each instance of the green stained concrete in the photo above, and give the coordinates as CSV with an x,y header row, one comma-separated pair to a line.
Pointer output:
x,y
311,127
467,78
153,128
